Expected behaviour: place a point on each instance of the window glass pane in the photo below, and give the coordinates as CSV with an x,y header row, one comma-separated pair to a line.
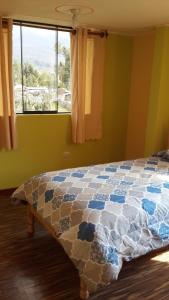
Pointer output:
x,y
64,94
39,69
17,78
89,72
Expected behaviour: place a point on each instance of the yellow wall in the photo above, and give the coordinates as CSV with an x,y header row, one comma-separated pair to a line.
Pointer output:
x,y
44,138
148,118
135,115
141,72
158,112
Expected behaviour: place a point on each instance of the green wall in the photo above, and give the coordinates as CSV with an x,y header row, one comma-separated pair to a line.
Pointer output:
x,y
44,138
158,113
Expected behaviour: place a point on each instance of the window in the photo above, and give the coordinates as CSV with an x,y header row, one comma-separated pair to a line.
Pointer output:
x,y
41,69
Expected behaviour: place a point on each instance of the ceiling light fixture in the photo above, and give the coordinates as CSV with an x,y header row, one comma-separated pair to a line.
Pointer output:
x,y
74,11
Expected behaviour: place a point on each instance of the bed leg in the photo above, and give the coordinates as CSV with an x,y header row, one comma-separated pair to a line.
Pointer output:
x,y
84,294
30,221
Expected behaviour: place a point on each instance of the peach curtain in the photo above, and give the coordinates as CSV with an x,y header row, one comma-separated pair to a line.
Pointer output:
x,y
7,115
87,72
78,78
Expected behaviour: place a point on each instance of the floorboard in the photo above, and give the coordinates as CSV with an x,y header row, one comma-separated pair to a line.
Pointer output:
x,y
38,269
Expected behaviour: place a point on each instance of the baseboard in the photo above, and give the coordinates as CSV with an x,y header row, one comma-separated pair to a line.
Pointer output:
x,y
7,192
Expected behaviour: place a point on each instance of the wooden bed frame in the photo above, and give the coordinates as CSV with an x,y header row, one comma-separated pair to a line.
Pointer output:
x,y
31,217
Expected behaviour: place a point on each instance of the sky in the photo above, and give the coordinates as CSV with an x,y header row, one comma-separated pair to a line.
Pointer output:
x,y
38,45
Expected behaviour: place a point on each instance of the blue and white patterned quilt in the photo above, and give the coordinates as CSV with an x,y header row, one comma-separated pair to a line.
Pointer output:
x,y
104,214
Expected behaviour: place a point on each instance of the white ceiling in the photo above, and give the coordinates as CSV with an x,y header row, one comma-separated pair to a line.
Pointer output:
x,y
111,14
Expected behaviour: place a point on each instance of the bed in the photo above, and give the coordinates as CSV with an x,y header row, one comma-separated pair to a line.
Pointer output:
x,y
102,215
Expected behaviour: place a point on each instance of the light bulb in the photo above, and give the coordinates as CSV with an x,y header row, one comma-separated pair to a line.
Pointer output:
x,y
75,13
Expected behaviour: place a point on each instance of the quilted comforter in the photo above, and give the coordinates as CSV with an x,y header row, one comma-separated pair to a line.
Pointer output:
x,y
104,214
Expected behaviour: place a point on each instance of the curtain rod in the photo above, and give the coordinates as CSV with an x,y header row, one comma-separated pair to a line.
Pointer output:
x,y
54,27
90,32
43,25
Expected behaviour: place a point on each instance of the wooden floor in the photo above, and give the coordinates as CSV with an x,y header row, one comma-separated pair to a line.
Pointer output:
x,y
38,269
